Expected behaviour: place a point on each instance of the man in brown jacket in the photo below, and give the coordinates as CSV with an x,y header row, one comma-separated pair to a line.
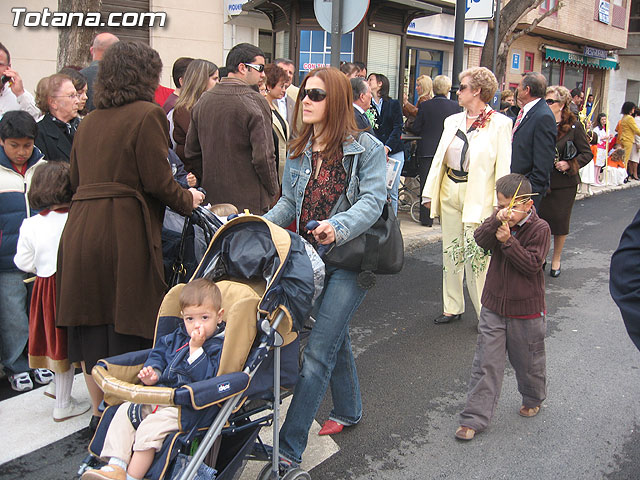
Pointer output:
x,y
230,134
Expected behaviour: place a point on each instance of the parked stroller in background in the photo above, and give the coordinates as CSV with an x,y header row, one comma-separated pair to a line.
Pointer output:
x,y
267,283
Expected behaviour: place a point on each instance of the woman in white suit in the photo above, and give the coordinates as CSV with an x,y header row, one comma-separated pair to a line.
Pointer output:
x,y
474,151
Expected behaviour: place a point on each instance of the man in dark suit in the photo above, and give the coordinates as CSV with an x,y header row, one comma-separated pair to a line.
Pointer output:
x,y
624,282
97,49
429,124
361,102
534,135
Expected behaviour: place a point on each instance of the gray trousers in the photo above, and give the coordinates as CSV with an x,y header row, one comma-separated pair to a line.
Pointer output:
x,y
523,341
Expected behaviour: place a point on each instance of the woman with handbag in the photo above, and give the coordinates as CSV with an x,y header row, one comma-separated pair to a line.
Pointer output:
x,y
329,162
572,153
474,151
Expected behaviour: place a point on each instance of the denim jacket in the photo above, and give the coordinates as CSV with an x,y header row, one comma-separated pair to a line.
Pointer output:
x,y
366,194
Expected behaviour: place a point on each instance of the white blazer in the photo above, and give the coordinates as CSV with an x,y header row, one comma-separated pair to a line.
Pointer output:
x,y
489,159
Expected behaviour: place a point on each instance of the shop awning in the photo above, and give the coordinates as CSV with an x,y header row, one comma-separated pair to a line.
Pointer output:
x,y
576,58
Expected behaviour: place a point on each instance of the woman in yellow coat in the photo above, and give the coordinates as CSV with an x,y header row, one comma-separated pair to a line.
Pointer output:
x,y
474,151
627,130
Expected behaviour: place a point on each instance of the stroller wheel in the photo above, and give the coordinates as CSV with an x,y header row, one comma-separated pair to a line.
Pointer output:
x,y
293,474
296,474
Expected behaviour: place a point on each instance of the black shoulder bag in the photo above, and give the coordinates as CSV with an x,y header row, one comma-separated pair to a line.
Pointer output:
x,y
379,250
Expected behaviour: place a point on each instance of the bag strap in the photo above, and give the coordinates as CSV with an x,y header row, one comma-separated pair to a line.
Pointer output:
x,y
178,271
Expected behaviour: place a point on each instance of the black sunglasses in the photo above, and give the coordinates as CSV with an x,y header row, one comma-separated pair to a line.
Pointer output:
x,y
551,101
314,94
256,67
462,87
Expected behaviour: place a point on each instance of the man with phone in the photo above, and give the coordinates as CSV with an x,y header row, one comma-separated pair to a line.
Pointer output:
x,y
13,96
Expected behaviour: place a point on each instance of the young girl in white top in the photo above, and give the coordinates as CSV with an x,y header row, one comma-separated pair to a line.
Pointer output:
x,y
37,252
603,139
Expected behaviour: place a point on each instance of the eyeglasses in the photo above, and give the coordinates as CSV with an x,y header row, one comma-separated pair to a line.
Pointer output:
x,y
256,67
314,94
72,96
551,101
462,87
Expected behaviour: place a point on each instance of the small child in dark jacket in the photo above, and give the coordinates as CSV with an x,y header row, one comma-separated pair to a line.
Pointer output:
x,y
512,318
189,354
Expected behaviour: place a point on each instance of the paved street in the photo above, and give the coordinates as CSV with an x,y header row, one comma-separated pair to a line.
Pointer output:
x,y
414,373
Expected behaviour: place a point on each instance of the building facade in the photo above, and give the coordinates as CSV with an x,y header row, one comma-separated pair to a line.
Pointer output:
x,y
576,47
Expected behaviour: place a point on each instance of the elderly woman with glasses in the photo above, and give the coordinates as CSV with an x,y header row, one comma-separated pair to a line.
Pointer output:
x,y
474,151
573,151
330,164
58,99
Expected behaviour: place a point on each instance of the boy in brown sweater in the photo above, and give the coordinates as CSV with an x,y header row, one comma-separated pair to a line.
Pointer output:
x,y
512,319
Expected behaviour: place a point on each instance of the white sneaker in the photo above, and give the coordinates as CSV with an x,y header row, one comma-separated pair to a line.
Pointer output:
x,y
74,409
21,382
50,391
43,376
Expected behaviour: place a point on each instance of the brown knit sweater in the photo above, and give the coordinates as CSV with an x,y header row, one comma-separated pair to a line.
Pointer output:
x,y
515,279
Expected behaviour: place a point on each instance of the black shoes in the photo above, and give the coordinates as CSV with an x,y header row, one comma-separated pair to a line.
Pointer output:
x,y
446,318
554,273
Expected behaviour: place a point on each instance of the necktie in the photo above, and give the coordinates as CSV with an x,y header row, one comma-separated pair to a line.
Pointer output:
x,y
518,120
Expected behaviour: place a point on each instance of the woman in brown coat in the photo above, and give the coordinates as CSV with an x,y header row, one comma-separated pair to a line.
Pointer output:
x,y
573,152
110,274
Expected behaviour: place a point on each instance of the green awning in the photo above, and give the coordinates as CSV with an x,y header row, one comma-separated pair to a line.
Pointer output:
x,y
579,59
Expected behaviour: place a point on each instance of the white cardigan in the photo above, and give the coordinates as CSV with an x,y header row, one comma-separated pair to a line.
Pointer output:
x,y
37,250
489,159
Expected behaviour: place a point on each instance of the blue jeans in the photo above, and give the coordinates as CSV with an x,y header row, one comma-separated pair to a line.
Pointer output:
x,y
14,323
393,191
328,359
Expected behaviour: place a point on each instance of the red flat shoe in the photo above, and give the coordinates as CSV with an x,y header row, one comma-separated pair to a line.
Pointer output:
x,y
330,427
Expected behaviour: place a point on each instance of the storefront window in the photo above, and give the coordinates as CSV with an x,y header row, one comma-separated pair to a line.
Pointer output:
x,y
315,50
573,76
551,71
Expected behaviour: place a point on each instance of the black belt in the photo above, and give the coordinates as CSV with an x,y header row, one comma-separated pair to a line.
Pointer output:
x,y
458,176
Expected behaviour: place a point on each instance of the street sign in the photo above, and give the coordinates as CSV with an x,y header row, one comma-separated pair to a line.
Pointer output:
x,y
353,11
515,61
479,10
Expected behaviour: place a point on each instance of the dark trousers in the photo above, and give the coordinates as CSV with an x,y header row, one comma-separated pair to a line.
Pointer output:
x,y
424,165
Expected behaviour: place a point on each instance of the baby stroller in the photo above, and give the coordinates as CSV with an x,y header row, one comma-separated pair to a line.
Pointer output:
x,y
267,284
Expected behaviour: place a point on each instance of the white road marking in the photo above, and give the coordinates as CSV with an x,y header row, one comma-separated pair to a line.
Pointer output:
x,y
27,420
318,448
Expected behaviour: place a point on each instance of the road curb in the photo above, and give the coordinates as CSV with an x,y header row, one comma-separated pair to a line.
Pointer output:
x,y
416,236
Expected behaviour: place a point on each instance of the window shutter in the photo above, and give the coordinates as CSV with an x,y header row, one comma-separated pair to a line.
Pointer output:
x,y
131,34
384,57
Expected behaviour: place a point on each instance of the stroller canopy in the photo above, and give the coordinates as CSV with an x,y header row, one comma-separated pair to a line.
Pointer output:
x,y
250,247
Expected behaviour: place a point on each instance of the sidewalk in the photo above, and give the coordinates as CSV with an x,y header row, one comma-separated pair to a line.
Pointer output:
x,y
416,236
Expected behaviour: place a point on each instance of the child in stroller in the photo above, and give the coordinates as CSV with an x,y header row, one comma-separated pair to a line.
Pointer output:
x,y
170,364
267,282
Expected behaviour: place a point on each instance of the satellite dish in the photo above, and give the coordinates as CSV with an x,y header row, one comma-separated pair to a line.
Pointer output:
x,y
353,12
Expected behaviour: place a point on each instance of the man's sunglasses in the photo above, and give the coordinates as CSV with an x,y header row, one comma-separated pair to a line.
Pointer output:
x,y
256,67
551,101
314,94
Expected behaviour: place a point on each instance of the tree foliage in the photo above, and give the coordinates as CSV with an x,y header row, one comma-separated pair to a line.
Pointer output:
x,y
511,15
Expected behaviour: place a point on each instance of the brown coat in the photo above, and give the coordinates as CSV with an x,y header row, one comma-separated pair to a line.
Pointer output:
x,y
110,257
230,134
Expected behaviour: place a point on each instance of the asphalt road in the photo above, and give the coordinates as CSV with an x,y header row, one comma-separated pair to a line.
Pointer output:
x,y
414,373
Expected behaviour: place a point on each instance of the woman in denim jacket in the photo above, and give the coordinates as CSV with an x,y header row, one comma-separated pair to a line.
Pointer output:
x,y
328,146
